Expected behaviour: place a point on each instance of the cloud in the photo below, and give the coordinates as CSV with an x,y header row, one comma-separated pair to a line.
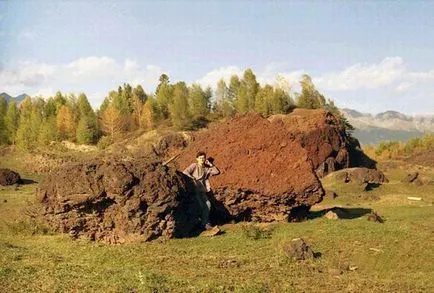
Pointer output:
x,y
422,76
94,75
360,76
404,86
266,76
225,73
388,84
30,74
93,66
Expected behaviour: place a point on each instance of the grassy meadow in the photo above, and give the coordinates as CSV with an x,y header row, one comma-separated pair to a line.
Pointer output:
x,y
396,256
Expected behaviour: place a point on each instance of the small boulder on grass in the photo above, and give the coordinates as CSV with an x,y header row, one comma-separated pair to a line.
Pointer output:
x,y
214,231
331,194
374,217
331,215
297,249
9,177
409,178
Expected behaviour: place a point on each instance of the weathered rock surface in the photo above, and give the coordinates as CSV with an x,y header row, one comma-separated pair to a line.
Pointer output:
x,y
374,217
297,249
411,177
270,167
361,176
117,201
327,144
318,131
266,175
9,177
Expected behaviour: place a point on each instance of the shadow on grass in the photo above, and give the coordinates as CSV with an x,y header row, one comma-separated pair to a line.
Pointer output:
x,y
27,181
372,186
342,213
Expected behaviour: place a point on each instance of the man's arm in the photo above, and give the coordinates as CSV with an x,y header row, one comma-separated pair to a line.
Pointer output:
x,y
189,170
212,170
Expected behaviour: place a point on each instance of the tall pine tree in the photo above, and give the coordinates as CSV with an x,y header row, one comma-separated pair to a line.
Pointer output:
x,y
164,95
86,132
198,101
11,121
247,92
310,97
178,109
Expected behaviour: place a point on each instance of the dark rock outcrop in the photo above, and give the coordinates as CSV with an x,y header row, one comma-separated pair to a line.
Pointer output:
x,y
364,177
9,177
411,177
117,201
297,249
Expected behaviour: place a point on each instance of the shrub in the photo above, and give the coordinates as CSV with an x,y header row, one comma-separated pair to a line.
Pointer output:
x,y
256,233
104,142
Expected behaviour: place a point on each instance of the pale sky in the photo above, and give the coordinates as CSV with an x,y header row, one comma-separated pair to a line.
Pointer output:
x,y
371,56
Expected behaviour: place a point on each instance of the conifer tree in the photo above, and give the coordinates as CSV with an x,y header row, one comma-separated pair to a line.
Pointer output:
x,y
65,123
263,99
86,131
222,90
198,101
104,105
178,109
127,96
59,101
50,108
234,87
84,107
112,122
117,99
28,129
139,99
11,121
147,114
3,106
224,104
164,95
247,92
242,102
280,102
310,97
3,132
47,131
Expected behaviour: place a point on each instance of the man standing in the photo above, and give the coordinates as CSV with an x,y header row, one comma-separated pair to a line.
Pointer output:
x,y
200,173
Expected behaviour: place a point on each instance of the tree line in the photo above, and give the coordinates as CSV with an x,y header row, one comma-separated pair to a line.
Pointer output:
x,y
397,150
38,122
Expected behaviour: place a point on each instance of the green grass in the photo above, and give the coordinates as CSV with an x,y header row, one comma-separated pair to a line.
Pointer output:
x,y
392,257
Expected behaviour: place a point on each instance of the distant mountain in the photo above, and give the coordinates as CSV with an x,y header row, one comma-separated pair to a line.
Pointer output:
x,y
18,99
389,125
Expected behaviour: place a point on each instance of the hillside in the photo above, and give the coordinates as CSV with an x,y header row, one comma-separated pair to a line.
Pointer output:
x,y
17,99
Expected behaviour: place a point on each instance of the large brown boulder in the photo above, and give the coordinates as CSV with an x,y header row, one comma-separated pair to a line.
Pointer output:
x,y
9,177
116,201
266,175
270,167
322,135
